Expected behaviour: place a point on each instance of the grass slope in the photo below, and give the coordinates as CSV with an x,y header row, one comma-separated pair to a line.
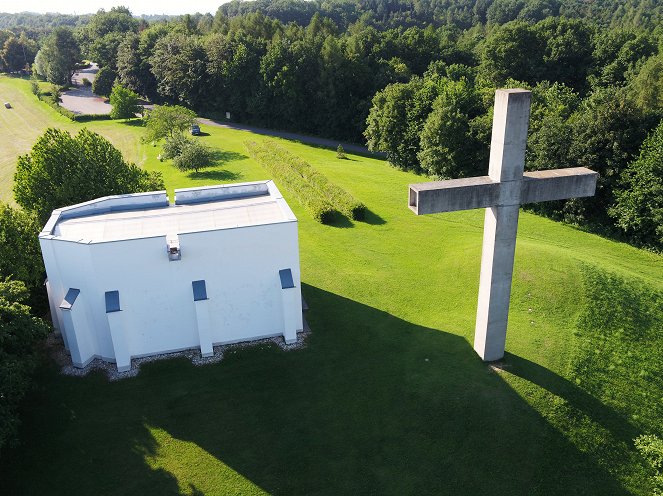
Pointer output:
x,y
388,397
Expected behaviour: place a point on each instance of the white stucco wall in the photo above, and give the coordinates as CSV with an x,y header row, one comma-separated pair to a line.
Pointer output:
x,y
240,267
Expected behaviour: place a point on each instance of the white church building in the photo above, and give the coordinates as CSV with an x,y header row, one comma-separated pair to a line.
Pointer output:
x,y
134,275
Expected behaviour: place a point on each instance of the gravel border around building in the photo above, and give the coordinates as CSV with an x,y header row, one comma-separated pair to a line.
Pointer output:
x,y
56,347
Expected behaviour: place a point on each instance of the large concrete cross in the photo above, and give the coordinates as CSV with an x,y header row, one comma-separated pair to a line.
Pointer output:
x,y
501,192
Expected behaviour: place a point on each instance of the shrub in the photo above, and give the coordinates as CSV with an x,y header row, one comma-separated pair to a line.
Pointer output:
x,y
34,87
48,99
193,155
174,146
334,195
124,103
20,332
651,448
20,255
340,152
286,174
86,82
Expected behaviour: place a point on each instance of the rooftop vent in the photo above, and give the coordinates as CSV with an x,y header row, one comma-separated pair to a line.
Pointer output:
x,y
173,247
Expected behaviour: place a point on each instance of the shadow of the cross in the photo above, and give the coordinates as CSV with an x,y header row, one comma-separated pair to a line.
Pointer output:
x,y
578,398
372,405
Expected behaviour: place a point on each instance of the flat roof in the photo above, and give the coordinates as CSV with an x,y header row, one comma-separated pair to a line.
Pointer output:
x,y
195,210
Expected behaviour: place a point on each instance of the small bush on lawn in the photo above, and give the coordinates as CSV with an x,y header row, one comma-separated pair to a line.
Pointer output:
x,y
34,87
193,156
86,82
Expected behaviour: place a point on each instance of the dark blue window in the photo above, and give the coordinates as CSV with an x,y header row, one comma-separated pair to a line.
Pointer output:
x,y
286,279
70,298
112,301
199,290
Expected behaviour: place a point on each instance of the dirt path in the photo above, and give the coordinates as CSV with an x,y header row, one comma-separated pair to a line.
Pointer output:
x,y
310,140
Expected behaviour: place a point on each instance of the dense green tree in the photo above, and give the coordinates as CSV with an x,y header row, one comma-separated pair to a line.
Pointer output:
x,y
167,121
234,72
451,146
567,55
503,11
133,66
102,36
58,56
387,124
18,53
616,55
550,133
179,63
647,85
124,103
19,333
61,170
514,50
607,130
104,81
639,199
20,255
193,156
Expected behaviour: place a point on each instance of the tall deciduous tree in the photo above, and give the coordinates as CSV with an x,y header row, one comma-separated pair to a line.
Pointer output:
x,y
58,57
607,130
450,145
639,206
104,81
388,126
179,63
62,170
101,37
165,121
18,52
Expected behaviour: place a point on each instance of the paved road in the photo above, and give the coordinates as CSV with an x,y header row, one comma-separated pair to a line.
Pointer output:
x,y
80,99
311,140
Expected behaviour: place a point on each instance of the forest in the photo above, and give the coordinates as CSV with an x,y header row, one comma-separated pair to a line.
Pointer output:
x,y
414,80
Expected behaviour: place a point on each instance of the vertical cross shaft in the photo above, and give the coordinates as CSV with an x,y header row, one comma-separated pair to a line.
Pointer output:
x,y
507,163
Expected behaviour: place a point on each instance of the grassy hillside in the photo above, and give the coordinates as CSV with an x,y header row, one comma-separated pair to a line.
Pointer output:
x,y
388,397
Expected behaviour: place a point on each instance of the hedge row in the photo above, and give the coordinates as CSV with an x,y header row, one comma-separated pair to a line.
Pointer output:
x,y
48,99
317,205
341,200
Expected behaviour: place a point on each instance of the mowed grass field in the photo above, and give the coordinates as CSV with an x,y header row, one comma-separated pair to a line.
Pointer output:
x,y
388,397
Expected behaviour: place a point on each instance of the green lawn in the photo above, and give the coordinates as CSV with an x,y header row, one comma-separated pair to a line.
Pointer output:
x,y
388,397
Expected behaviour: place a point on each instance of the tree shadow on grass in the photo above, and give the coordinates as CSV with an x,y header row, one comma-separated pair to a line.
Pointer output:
x,y
138,122
340,221
577,397
214,175
373,405
221,157
372,218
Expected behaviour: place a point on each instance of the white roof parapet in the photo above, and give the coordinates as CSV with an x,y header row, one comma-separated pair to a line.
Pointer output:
x,y
219,192
106,204
147,215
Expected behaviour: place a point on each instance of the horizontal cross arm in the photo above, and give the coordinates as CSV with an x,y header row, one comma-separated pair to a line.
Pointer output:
x,y
454,194
558,184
